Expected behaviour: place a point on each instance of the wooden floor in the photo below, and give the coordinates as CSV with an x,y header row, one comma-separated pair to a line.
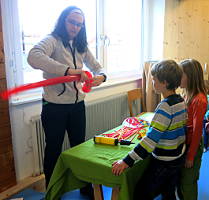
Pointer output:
x,y
36,183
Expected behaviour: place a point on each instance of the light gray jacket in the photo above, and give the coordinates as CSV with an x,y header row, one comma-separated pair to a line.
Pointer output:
x,y
54,59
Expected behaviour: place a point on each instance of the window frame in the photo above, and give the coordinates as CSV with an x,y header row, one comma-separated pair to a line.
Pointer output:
x,y
12,42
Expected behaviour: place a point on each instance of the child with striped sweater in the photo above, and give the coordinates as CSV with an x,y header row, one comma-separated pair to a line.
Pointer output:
x,y
165,139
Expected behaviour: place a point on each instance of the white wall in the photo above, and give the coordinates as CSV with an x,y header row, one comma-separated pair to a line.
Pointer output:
x,y
21,136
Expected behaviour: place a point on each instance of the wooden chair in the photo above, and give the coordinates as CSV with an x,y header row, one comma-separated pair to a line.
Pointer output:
x,y
133,95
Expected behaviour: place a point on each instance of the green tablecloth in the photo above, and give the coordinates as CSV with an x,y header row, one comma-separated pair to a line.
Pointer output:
x,y
89,162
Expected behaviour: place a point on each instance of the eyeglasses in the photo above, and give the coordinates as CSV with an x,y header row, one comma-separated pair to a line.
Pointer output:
x,y
73,22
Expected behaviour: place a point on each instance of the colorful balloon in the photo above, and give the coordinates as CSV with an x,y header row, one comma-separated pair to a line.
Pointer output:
x,y
53,81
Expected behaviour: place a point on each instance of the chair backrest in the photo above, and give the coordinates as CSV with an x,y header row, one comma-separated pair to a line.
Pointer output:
x,y
133,95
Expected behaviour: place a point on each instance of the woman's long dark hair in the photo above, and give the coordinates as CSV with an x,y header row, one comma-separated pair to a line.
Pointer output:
x,y
80,41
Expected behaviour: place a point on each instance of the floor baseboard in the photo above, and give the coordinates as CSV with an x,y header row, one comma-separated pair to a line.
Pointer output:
x,y
37,183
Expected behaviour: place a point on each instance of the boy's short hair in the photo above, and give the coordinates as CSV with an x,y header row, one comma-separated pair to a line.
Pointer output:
x,y
169,71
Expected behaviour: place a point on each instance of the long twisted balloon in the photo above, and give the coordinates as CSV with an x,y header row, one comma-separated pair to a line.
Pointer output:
x,y
53,81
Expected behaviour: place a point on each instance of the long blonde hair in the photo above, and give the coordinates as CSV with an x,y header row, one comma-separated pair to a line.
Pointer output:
x,y
195,81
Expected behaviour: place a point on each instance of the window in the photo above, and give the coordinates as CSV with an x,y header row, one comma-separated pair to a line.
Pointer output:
x,y
36,23
123,30
113,32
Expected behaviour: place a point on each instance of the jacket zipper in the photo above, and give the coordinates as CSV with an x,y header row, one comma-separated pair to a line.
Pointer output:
x,y
74,62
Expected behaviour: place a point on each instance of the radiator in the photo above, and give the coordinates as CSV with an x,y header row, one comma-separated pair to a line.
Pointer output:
x,y
101,115
38,144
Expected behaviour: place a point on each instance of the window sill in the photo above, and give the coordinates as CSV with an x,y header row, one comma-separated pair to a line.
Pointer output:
x,y
118,81
37,94
26,98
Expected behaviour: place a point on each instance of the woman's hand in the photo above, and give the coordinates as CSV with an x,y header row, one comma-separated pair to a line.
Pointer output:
x,y
118,167
84,77
97,80
189,164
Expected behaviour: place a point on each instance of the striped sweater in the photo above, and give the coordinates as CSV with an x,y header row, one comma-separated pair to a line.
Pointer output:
x,y
165,138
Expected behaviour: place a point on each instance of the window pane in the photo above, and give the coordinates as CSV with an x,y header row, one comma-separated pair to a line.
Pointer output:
x,y
123,28
38,21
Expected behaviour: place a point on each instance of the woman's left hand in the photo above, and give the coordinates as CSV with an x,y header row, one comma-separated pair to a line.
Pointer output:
x,y
189,164
97,80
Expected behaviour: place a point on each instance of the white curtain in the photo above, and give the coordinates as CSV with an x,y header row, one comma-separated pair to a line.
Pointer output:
x,y
153,12
150,98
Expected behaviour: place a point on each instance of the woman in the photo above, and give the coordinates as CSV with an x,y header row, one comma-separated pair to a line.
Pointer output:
x,y
195,96
64,52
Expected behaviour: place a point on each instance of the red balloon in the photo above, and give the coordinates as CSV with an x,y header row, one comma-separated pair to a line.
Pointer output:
x,y
87,84
63,79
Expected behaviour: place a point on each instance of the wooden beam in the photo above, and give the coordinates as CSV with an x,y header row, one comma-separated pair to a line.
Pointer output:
x,y
37,183
115,193
98,193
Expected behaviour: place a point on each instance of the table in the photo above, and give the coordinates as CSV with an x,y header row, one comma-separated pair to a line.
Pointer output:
x,y
89,162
